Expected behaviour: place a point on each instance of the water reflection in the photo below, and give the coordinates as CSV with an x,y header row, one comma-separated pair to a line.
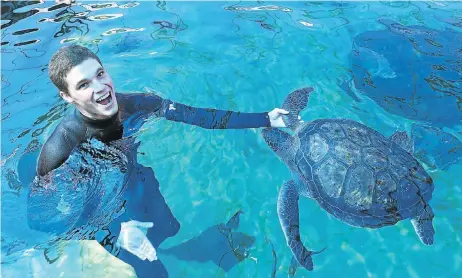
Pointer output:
x,y
12,15
99,6
104,17
121,30
64,17
26,31
167,29
456,22
259,8
80,40
71,18
26,42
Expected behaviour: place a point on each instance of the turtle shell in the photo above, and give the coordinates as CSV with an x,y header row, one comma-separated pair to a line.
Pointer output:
x,y
357,174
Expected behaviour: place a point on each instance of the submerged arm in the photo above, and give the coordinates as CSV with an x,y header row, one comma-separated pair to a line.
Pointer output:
x,y
59,203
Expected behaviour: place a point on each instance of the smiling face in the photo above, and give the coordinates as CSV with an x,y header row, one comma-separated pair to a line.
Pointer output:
x,y
91,90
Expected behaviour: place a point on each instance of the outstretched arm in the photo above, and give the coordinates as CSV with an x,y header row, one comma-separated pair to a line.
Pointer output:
x,y
215,118
151,104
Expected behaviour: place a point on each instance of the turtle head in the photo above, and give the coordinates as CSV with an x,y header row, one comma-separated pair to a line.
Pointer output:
x,y
294,103
280,142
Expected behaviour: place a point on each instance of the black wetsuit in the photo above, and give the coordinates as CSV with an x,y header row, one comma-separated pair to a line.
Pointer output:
x,y
144,201
133,110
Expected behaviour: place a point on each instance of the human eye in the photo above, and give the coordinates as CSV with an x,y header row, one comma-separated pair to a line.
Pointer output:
x,y
101,73
83,86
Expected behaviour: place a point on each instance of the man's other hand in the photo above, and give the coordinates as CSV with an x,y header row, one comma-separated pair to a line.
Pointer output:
x,y
133,239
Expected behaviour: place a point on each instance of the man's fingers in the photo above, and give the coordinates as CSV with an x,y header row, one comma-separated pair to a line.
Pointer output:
x,y
144,254
154,255
149,251
143,251
133,239
282,111
151,255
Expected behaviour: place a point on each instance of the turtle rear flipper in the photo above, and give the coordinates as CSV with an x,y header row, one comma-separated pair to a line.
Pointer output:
x,y
288,213
423,225
294,103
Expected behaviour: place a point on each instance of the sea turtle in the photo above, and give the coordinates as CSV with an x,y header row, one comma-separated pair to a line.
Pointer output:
x,y
352,171
410,71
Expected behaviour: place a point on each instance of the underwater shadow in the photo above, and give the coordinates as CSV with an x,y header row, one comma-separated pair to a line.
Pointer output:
x,y
220,244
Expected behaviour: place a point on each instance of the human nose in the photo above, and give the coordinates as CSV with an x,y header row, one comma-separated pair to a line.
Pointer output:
x,y
98,86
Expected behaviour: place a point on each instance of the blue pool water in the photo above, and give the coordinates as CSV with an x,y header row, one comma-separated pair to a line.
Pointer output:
x,y
389,65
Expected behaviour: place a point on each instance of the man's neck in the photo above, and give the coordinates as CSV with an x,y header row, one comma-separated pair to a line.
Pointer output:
x,y
98,123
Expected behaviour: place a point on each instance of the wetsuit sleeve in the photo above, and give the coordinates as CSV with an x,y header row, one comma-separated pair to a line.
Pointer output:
x,y
42,212
203,117
43,202
54,152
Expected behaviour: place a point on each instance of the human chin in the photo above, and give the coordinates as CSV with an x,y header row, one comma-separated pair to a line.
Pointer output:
x,y
109,109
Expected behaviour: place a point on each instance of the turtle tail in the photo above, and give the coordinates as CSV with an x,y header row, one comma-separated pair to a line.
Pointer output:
x,y
294,103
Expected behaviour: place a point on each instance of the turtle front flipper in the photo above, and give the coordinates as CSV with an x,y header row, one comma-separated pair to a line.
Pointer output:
x,y
289,218
423,225
294,103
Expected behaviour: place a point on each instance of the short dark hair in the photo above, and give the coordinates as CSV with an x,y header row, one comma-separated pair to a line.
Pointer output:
x,y
64,60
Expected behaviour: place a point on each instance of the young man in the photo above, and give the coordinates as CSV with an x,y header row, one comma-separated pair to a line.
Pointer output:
x,y
103,114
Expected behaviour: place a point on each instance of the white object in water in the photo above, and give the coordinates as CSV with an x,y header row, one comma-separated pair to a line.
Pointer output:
x,y
133,239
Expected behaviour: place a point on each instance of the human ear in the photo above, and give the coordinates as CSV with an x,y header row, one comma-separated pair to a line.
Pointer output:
x,y
66,97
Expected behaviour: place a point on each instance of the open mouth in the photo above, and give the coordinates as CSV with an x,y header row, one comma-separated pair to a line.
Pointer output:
x,y
105,99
